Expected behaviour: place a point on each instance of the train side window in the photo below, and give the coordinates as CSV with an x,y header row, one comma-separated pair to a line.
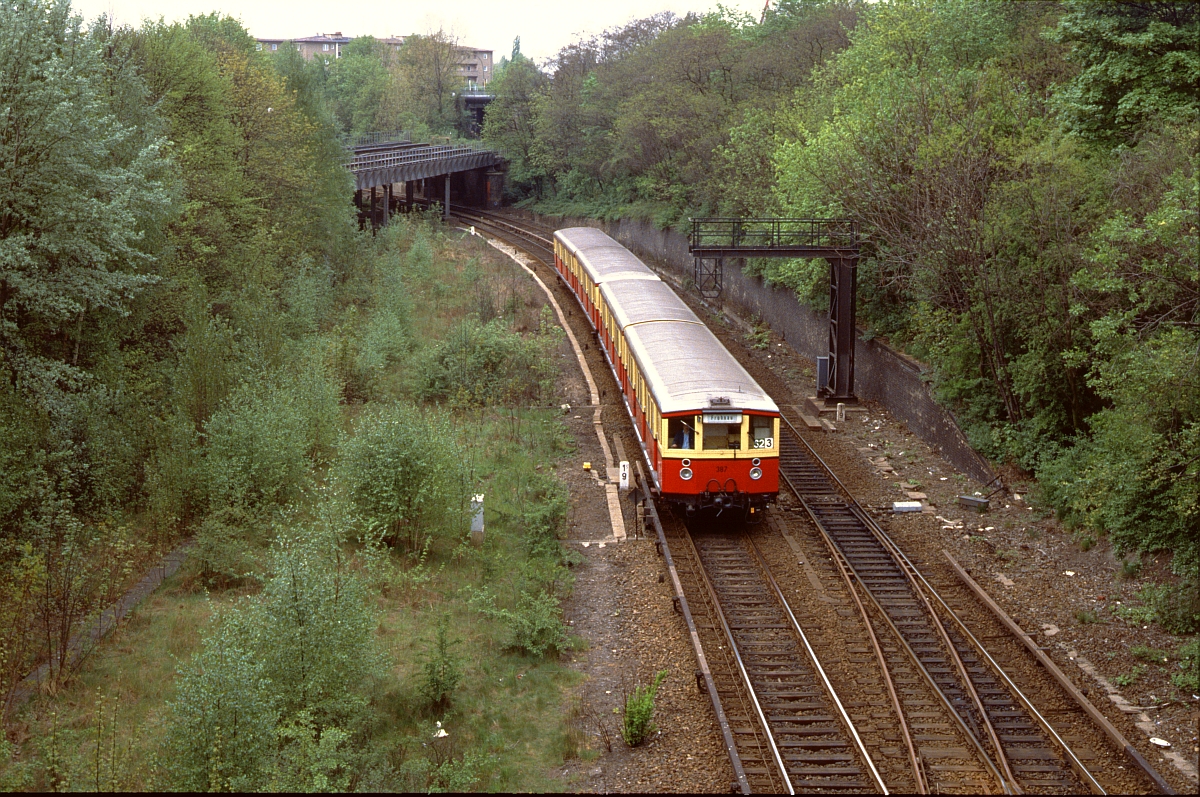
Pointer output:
x,y
762,431
722,436
681,433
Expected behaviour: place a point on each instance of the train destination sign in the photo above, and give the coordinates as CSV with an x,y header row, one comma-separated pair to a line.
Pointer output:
x,y
723,417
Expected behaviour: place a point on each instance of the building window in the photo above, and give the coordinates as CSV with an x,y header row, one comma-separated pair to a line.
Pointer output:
x,y
258,46
325,47
485,69
274,46
485,56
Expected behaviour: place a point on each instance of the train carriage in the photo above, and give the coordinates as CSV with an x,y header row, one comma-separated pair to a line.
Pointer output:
x,y
708,431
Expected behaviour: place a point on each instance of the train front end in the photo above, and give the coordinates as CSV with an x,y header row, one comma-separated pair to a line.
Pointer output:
x,y
721,458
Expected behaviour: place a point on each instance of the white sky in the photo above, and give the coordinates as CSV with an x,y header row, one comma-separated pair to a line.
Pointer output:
x,y
544,26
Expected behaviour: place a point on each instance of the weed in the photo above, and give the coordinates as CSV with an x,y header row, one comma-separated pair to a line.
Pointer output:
x,y
639,712
1131,677
1008,554
1087,616
760,336
1152,655
443,667
1033,533
1085,541
1188,678
1129,569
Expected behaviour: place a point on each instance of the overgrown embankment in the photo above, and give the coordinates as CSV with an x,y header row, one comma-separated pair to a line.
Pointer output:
x,y
196,340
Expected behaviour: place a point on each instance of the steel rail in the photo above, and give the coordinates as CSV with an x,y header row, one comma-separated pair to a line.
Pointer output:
x,y
836,552
1074,761
912,654
922,587
737,657
812,655
918,770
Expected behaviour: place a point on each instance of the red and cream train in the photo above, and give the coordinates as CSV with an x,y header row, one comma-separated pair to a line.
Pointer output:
x,y
709,433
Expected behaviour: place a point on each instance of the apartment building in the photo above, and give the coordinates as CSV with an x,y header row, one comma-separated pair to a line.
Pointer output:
x,y
475,65
326,45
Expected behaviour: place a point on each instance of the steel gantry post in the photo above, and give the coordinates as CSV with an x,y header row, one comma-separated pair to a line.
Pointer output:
x,y
843,276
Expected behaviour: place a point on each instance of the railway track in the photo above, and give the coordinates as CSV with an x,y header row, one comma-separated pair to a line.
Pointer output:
x,y
1018,745
963,723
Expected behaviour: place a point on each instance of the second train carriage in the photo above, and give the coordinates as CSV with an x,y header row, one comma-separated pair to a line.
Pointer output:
x,y
709,433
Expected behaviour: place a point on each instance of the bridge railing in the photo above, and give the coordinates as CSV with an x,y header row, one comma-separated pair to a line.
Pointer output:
x,y
773,233
417,154
377,137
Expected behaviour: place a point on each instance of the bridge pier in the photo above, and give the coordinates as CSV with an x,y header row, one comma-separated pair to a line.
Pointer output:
x,y
408,196
446,204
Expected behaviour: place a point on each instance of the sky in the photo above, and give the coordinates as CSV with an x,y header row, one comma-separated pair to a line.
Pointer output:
x,y
545,26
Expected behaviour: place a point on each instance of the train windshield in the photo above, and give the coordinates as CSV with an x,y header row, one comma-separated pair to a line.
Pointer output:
x,y
722,436
762,431
681,433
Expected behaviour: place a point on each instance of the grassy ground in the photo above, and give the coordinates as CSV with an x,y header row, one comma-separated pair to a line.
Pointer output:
x,y
508,723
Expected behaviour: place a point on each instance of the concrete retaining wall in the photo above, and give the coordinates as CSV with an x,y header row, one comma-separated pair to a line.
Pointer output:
x,y
880,373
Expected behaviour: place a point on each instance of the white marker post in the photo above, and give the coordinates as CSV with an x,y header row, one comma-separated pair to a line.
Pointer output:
x,y
624,478
477,520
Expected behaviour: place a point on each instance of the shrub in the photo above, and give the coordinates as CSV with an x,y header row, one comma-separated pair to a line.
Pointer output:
x,y
1188,678
221,728
480,365
301,651
222,546
442,668
256,447
535,621
1152,655
639,712
403,470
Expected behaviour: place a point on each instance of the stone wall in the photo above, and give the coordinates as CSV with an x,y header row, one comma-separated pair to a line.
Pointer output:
x,y
880,373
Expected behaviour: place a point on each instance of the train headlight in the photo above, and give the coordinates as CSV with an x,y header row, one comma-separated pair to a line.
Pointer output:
x,y
685,474
756,462
686,463
756,473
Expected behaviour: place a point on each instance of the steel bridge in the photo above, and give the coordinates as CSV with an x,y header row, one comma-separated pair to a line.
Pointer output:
x,y
380,163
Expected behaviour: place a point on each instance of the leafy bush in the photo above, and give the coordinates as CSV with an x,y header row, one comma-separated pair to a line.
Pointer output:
x,y
1188,678
223,544
483,365
301,653
442,668
221,730
639,712
257,445
403,471
534,623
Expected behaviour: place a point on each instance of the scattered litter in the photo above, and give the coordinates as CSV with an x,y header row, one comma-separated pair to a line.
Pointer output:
x,y
599,545
1005,580
587,545
1068,572
1159,742
989,528
942,478
1049,629
587,466
906,506
565,407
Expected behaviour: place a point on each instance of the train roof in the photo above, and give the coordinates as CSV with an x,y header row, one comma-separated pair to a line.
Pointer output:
x,y
685,367
636,301
602,257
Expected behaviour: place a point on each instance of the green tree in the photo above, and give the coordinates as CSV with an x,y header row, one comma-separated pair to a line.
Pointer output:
x,y
1139,61
510,120
77,201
